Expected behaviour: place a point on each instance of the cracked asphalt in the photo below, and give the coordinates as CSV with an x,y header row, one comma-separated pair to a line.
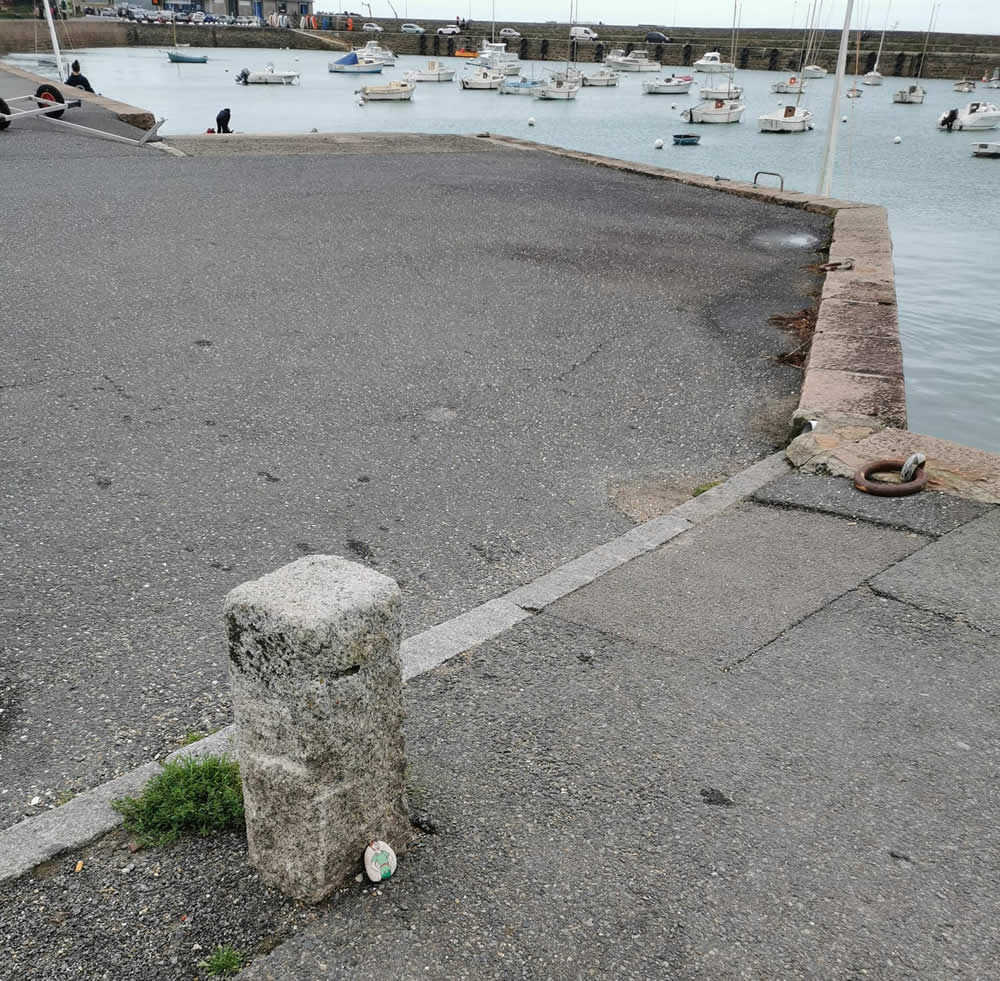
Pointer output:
x,y
438,363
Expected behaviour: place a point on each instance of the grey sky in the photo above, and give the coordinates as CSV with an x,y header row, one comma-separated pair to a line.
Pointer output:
x,y
965,16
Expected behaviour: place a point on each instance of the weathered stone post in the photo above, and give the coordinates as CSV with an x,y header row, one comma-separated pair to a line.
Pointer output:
x,y
317,693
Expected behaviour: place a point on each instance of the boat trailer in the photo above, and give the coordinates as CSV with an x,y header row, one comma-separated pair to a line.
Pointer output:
x,y
49,104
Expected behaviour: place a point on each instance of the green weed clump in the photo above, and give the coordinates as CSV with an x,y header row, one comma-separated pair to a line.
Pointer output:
x,y
701,488
224,963
190,796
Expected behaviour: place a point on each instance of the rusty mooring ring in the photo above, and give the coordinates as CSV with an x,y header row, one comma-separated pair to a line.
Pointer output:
x,y
863,481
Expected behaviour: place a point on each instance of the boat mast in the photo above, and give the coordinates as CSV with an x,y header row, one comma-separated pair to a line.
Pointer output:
x,y
927,37
881,40
60,67
805,38
830,150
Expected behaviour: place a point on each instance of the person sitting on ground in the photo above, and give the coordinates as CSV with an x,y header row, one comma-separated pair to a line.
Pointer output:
x,y
222,122
77,80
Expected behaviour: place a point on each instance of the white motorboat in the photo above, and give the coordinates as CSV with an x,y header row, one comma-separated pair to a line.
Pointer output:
x,y
976,115
715,111
792,84
267,77
814,71
375,52
557,89
482,78
353,64
394,91
712,61
570,74
965,86
492,53
986,149
434,72
613,55
726,91
498,63
602,77
789,119
912,95
520,86
670,85
635,61
994,82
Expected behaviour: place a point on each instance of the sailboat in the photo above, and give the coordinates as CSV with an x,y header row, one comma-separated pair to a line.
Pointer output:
x,y
874,77
994,82
793,118
812,44
913,95
565,84
727,90
182,57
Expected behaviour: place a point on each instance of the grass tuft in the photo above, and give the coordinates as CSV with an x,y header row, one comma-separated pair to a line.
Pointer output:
x,y
192,736
223,963
701,488
190,796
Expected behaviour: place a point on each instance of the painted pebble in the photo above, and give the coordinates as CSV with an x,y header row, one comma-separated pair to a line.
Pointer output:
x,y
380,861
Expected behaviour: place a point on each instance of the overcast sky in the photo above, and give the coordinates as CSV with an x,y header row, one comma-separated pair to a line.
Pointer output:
x,y
967,16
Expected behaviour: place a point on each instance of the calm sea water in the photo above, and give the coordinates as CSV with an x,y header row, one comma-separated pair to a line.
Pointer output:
x,y
942,202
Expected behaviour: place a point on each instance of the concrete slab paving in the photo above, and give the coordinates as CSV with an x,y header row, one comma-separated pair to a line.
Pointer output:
x,y
827,811
929,513
958,576
721,591
247,358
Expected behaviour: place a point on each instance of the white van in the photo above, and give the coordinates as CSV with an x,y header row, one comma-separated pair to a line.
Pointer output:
x,y
582,34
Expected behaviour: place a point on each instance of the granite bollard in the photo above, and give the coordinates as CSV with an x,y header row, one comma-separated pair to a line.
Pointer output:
x,y
317,695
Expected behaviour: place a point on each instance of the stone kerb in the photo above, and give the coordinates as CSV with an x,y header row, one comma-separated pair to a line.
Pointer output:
x,y
317,695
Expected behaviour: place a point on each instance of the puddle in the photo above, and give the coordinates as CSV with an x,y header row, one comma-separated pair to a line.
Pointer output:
x,y
776,239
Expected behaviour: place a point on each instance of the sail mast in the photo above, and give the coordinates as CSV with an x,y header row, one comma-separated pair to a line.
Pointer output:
x,y
830,150
60,67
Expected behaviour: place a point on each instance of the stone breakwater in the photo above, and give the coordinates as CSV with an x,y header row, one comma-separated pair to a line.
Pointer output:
x,y
948,56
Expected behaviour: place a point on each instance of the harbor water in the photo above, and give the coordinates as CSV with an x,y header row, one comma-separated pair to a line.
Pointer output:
x,y
942,202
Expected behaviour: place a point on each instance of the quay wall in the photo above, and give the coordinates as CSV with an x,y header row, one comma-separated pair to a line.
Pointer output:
x,y
948,56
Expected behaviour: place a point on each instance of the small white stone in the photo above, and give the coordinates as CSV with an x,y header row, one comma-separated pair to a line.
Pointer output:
x,y
380,861
35,801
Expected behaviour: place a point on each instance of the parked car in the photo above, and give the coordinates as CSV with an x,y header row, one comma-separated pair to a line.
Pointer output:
x,y
371,28
197,17
657,38
509,32
211,19
449,29
582,34
108,12
411,29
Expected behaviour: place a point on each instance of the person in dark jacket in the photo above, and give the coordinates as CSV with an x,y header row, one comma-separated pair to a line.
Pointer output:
x,y
222,122
77,80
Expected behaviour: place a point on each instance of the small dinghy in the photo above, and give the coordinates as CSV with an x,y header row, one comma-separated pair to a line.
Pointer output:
x,y
394,91
180,58
351,64
267,77
687,139
986,149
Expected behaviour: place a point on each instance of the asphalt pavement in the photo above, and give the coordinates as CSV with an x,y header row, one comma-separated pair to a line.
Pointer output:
x,y
451,366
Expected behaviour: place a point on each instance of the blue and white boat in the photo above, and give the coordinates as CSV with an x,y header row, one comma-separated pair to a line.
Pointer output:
x,y
352,64
520,86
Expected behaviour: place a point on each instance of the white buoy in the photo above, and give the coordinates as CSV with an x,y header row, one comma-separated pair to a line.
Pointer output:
x,y
844,119
673,105
531,120
658,144
898,139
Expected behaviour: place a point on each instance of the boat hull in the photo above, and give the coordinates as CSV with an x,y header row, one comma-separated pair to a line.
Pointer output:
x,y
519,88
913,96
728,92
776,122
667,88
601,81
354,69
562,91
390,92
729,112
814,71
186,59
986,150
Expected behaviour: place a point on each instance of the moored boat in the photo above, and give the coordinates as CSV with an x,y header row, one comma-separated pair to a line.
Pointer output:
x,y
814,71
557,89
182,58
464,53
482,78
712,61
434,72
267,77
670,85
394,91
788,119
976,115
792,84
687,139
725,91
986,149
353,64
715,111
520,86
635,61
994,82
374,51
602,78
912,95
